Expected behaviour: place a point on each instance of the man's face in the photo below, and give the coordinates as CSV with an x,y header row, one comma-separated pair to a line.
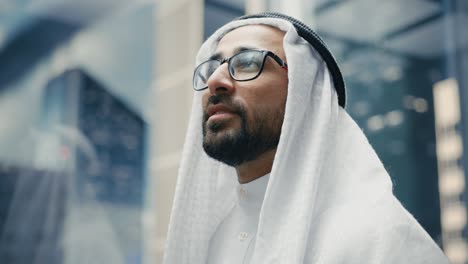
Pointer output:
x,y
243,119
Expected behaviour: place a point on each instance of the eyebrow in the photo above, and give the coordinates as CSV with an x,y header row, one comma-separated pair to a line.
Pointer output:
x,y
219,55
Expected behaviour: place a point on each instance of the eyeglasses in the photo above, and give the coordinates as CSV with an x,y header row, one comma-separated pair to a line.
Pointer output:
x,y
243,66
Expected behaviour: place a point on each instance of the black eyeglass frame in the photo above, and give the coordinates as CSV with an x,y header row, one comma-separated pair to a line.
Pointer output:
x,y
266,53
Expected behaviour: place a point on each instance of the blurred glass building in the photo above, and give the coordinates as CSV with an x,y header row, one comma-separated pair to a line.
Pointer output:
x,y
75,85
95,98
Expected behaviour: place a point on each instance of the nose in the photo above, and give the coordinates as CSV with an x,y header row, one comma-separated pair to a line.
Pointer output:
x,y
220,81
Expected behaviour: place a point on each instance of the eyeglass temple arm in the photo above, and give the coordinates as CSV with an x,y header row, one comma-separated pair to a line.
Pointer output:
x,y
283,64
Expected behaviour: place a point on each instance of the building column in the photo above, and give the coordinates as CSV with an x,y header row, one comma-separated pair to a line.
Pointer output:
x,y
179,34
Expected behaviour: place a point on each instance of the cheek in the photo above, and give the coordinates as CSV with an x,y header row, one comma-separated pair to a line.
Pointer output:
x,y
276,96
270,106
281,91
267,94
204,99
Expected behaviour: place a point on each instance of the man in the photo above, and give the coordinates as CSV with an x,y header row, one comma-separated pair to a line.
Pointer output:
x,y
274,170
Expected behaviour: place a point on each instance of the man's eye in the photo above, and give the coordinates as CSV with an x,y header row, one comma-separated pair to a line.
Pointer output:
x,y
208,71
247,64
211,70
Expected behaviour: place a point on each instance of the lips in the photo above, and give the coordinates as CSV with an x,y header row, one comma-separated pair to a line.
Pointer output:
x,y
218,109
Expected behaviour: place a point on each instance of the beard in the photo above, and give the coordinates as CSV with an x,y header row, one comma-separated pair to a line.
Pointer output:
x,y
248,142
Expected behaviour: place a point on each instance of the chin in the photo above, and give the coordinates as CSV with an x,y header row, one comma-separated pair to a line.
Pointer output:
x,y
216,137
221,127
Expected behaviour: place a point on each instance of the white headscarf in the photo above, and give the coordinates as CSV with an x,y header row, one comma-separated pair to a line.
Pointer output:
x,y
330,196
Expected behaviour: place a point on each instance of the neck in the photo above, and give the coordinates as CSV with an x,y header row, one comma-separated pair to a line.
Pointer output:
x,y
257,168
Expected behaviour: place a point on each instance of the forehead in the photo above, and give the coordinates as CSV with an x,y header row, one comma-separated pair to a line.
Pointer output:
x,y
252,36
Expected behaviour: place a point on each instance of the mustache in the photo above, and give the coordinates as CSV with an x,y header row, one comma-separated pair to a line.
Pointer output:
x,y
219,98
225,100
